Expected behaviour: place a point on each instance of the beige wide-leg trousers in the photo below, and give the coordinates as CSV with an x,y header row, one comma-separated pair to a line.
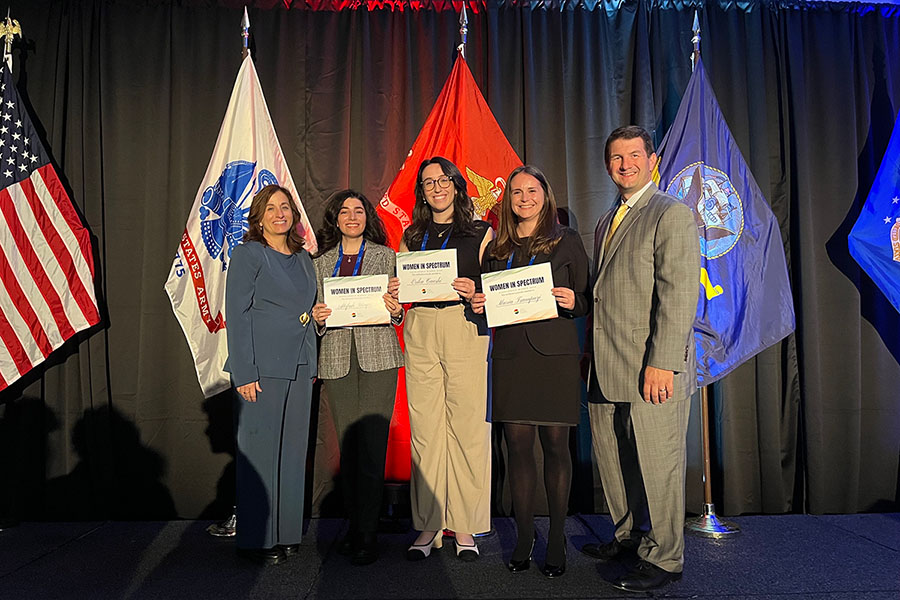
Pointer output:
x,y
446,385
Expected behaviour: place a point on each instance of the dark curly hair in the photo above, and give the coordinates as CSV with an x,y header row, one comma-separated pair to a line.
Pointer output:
x,y
295,241
329,235
463,211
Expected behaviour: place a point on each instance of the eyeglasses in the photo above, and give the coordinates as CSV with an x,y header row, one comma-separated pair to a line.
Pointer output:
x,y
442,182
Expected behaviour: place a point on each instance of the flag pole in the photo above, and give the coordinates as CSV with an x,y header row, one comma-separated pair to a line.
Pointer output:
x,y
228,527
463,31
8,30
707,524
695,54
245,34
463,37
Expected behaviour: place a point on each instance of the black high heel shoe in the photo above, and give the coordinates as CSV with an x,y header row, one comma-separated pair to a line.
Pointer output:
x,y
552,571
517,566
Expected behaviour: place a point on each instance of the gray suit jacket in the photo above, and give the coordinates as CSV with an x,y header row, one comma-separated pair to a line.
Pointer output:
x,y
377,348
646,287
264,307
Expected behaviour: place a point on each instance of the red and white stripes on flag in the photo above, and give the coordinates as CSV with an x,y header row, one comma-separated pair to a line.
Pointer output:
x,y
46,264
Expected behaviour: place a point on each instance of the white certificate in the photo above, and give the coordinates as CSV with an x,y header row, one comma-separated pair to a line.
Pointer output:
x,y
427,276
519,295
356,300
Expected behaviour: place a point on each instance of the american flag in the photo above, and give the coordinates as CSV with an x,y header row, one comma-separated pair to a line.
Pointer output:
x,y
46,264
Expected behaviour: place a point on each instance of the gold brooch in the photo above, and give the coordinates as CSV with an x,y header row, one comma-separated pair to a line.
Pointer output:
x,y
304,319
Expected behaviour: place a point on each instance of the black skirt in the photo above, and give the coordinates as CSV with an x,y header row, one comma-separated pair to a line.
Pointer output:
x,y
536,389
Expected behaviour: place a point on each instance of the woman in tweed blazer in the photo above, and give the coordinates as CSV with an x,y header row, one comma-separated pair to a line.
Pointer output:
x,y
358,365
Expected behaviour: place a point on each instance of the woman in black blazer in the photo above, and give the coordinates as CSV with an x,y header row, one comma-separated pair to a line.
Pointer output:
x,y
536,381
270,290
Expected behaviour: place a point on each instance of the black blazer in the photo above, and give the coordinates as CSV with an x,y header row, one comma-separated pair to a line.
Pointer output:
x,y
569,264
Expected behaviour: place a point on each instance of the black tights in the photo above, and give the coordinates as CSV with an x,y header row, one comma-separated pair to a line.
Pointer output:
x,y
522,480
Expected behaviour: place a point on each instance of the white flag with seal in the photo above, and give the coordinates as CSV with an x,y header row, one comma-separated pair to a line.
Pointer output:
x,y
247,157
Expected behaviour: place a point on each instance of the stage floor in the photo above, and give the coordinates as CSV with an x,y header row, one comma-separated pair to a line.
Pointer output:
x,y
792,557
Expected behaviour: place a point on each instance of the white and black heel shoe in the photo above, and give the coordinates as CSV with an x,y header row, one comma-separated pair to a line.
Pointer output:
x,y
423,551
466,553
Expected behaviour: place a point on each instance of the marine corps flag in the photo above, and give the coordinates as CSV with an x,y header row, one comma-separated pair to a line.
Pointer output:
x,y
247,157
462,129
745,302
875,237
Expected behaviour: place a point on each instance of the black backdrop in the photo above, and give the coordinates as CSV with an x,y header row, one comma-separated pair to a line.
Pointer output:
x,y
130,96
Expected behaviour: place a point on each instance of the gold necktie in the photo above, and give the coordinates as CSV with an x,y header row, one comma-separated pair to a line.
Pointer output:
x,y
617,220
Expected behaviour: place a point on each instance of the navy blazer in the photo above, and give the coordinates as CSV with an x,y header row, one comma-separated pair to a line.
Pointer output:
x,y
266,295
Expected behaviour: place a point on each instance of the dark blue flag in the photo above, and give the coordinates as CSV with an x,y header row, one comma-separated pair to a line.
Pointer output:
x,y
875,238
745,298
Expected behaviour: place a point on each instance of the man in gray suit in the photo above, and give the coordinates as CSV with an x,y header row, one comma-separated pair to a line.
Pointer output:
x,y
647,269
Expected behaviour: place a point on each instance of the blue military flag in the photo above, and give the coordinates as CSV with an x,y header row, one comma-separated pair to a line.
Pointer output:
x,y
875,237
745,301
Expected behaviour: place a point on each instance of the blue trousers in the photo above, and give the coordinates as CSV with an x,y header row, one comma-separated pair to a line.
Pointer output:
x,y
272,440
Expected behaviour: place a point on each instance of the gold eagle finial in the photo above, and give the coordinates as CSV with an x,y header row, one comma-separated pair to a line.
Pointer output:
x,y
9,30
488,193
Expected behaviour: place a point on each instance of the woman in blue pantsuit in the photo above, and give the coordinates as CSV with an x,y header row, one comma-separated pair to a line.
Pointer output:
x,y
271,288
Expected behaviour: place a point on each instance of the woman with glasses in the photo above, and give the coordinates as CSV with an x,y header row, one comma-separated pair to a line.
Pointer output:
x,y
358,365
536,381
446,373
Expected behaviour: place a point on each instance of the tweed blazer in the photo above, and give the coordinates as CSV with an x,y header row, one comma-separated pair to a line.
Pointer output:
x,y
377,348
646,286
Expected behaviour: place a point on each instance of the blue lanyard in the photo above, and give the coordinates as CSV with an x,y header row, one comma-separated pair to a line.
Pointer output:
x,y
337,267
513,253
443,246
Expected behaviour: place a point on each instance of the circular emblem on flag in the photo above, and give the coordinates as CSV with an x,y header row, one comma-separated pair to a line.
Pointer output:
x,y
225,205
716,205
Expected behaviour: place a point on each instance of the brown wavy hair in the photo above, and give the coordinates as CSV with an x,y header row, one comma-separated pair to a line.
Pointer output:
x,y
547,232
329,235
463,210
295,241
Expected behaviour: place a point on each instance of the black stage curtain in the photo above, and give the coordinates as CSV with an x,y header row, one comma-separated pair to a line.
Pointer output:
x,y
130,96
